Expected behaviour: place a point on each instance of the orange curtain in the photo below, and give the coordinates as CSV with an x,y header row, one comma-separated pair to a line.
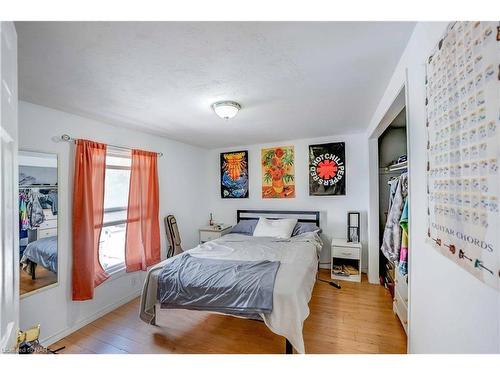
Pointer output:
x,y
142,243
88,211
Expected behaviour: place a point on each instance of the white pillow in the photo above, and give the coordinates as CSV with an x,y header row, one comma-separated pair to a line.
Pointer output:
x,y
279,228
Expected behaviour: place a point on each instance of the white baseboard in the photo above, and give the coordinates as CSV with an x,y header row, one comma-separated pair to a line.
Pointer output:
x,y
68,331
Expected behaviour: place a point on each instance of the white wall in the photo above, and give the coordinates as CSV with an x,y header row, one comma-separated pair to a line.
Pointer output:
x,y
450,310
333,208
9,216
180,194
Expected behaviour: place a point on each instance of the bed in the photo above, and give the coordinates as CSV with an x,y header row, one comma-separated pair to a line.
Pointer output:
x,y
41,252
294,280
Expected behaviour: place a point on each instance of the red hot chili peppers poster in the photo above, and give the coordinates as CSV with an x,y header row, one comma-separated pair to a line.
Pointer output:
x,y
327,169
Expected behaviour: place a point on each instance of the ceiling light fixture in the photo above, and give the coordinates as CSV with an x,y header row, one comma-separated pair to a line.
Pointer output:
x,y
226,109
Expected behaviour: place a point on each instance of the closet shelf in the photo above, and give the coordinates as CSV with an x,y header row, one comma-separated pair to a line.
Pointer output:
x,y
396,167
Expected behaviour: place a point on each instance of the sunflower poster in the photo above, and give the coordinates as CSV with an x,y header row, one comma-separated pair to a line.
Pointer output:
x,y
278,172
327,169
234,174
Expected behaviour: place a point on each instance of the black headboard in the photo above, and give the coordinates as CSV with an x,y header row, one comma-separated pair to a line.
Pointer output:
x,y
302,216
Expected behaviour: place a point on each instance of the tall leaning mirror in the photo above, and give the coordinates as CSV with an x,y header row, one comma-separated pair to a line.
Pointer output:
x,y
38,209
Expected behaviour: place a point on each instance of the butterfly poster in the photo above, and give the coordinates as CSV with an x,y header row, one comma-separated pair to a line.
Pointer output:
x,y
234,174
327,169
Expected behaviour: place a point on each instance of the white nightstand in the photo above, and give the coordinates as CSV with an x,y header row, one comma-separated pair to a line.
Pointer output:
x,y
345,260
210,233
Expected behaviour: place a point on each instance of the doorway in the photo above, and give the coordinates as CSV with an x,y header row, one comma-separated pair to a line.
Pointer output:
x,y
390,161
393,214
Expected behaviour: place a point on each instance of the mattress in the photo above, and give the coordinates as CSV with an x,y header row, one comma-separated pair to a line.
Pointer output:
x,y
293,286
43,252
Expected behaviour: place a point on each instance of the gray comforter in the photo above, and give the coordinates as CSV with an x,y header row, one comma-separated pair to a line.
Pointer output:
x,y
243,288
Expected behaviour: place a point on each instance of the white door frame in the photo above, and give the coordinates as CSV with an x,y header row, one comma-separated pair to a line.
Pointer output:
x,y
394,109
9,212
399,102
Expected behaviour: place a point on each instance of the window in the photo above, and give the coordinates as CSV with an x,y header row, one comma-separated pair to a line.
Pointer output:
x,y
112,240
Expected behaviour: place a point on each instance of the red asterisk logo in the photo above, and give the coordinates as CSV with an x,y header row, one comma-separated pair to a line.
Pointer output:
x,y
327,169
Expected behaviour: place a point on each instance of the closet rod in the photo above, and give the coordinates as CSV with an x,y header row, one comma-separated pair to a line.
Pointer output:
x,y
67,138
38,187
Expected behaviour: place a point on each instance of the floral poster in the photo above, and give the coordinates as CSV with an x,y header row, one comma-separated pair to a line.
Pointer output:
x,y
327,169
278,172
234,174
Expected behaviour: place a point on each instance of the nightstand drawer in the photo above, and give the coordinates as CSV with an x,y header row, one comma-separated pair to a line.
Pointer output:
x,y
209,236
213,233
346,252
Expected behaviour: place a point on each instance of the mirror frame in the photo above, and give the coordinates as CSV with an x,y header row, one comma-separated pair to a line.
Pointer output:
x,y
56,284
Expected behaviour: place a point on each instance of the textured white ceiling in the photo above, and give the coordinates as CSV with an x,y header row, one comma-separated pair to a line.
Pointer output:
x,y
293,79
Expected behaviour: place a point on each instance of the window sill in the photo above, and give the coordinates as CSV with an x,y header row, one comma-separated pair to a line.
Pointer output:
x,y
116,271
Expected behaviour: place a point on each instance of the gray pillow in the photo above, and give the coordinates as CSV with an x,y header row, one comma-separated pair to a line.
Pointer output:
x,y
245,227
301,228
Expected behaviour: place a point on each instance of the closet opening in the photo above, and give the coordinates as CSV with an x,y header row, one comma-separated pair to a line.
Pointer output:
x,y
393,213
393,166
389,205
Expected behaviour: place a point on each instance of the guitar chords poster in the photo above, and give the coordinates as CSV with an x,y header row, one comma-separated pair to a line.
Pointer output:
x,y
463,110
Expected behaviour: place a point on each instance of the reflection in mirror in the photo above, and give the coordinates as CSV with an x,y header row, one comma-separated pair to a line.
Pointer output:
x,y
38,206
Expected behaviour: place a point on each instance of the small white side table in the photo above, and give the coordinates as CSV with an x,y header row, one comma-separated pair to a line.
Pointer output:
x,y
209,233
345,260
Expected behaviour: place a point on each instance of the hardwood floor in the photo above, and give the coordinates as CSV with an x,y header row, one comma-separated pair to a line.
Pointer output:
x,y
43,278
355,319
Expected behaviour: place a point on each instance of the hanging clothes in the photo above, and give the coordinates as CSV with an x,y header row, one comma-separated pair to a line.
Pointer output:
x,y
24,222
52,198
48,199
403,255
391,242
35,210
393,185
